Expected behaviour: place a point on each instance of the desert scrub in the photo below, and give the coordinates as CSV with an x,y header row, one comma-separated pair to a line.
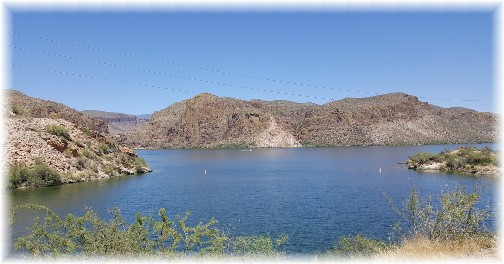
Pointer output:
x,y
109,170
455,216
454,226
91,235
139,163
39,176
87,132
86,152
463,159
104,148
81,163
58,131
16,109
422,158
357,246
257,246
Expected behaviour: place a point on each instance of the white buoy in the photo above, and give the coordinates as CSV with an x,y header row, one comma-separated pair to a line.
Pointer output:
x,y
205,171
379,170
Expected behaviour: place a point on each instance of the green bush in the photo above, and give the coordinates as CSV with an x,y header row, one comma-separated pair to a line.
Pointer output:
x,y
86,152
422,158
104,148
465,159
456,216
109,170
357,246
87,132
38,176
254,246
17,175
140,163
16,109
90,235
81,163
58,131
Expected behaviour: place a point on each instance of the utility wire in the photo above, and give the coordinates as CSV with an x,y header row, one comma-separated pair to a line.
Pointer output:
x,y
225,72
101,78
167,74
188,66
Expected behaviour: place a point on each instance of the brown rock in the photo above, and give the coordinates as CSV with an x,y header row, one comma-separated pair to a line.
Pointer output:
x,y
58,144
206,121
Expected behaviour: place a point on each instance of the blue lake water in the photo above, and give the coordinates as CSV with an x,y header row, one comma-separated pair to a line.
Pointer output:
x,y
314,195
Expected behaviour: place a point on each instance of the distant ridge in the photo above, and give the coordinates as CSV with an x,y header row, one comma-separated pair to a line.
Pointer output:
x,y
209,121
118,122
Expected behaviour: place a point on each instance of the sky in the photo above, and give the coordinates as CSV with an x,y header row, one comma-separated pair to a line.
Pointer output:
x,y
139,62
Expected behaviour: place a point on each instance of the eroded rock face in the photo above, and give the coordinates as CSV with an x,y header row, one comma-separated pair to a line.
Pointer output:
x,y
275,137
207,121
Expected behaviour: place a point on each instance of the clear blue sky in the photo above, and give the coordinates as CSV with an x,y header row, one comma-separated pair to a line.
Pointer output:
x,y
447,55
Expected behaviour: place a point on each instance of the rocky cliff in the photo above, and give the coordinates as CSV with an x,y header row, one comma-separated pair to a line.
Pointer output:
x,y
41,131
207,121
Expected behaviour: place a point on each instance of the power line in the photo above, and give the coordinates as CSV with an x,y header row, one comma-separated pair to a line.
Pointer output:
x,y
149,85
101,78
189,66
202,80
168,74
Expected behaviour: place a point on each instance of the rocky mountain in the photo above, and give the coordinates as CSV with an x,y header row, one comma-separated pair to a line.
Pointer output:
x,y
73,146
118,123
25,106
208,121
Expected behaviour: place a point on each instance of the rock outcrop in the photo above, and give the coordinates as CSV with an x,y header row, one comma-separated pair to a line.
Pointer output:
x,y
208,121
74,150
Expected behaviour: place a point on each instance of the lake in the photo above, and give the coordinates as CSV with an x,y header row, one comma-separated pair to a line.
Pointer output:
x,y
314,195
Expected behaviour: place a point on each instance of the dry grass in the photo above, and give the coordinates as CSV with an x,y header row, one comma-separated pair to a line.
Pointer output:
x,y
421,248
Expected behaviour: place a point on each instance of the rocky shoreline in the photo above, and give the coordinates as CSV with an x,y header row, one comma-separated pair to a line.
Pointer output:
x,y
47,144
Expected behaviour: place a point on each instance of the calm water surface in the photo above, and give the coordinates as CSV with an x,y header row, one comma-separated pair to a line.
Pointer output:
x,y
314,195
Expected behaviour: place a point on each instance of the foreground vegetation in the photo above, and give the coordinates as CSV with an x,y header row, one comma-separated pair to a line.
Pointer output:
x,y
463,159
41,175
453,226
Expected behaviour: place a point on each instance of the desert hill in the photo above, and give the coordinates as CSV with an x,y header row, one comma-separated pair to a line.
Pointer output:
x,y
209,121
71,146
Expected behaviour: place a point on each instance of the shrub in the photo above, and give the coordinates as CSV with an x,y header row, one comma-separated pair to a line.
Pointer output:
x,y
422,158
45,176
58,131
456,216
81,163
16,109
357,246
103,148
17,175
38,176
109,170
94,168
87,153
263,245
140,163
87,132
90,235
